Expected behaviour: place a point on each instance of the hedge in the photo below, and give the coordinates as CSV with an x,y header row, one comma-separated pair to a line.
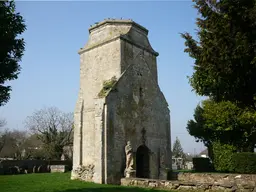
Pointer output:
x,y
244,163
202,164
222,157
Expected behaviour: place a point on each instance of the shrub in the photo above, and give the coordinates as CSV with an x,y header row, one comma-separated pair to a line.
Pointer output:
x,y
222,157
202,164
244,163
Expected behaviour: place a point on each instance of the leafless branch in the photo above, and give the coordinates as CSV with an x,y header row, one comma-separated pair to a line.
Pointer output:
x,y
53,126
2,134
2,122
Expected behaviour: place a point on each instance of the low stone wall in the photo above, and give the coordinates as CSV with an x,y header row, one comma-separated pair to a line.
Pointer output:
x,y
219,178
198,182
30,166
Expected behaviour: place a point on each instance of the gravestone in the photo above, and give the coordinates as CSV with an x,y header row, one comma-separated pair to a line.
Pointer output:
x,y
58,168
120,102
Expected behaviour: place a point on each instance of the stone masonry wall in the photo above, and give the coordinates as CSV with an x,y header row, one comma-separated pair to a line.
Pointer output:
x,y
136,102
99,61
199,182
103,124
130,52
221,178
97,65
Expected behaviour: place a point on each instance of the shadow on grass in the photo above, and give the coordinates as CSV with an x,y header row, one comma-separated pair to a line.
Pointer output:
x,y
110,189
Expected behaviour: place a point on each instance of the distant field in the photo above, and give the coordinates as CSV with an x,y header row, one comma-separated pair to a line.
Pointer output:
x,y
56,182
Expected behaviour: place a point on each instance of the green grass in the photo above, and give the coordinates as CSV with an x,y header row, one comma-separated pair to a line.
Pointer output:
x,y
57,182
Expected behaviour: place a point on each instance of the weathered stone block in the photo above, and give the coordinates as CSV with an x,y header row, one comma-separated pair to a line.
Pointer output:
x,y
130,174
187,185
84,173
164,173
58,168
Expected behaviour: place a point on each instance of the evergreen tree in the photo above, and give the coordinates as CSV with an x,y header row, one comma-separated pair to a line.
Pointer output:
x,y
177,150
12,46
224,71
224,122
225,56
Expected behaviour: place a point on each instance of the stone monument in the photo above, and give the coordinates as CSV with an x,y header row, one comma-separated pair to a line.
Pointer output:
x,y
122,119
129,169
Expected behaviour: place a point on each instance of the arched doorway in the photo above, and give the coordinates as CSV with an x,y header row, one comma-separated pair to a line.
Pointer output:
x,y
142,162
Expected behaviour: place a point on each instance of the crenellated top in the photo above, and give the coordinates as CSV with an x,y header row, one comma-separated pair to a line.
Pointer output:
x,y
113,29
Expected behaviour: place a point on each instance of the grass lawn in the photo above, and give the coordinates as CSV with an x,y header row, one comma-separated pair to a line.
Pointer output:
x,y
56,182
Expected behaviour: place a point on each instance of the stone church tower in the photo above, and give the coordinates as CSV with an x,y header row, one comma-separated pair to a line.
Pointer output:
x,y
120,103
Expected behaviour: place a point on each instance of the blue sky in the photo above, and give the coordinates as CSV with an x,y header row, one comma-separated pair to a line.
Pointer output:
x,y
55,32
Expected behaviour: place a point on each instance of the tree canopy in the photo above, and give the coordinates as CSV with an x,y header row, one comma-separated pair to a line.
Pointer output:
x,y
197,129
225,56
224,122
12,46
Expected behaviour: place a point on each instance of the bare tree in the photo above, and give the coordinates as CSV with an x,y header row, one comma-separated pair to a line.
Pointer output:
x,y
54,128
13,143
2,123
3,133
18,141
33,148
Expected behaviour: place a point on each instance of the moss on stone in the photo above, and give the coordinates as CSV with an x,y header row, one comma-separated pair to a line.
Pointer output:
x,y
107,86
